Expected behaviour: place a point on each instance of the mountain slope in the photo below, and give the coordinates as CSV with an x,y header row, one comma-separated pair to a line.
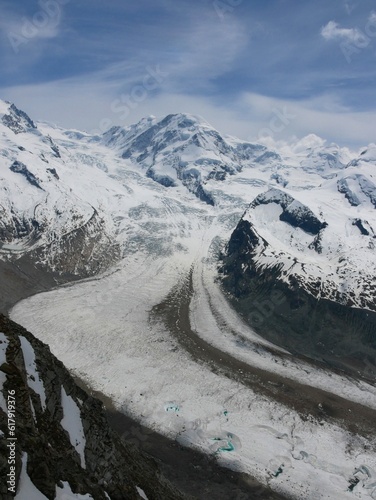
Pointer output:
x,y
321,275
42,216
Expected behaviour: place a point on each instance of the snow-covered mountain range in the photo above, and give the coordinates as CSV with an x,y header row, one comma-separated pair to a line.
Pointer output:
x,y
314,204
197,246
68,204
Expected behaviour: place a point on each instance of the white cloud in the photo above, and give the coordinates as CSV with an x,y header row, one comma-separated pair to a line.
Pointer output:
x,y
26,33
332,31
372,18
201,54
350,7
210,49
88,105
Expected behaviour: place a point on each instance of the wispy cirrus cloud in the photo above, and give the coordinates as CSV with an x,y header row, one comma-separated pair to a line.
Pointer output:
x,y
240,71
43,22
207,51
372,18
29,38
250,117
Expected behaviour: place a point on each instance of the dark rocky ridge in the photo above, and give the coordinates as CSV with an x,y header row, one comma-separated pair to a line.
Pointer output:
x,y
111,467
13,227
360,225
367,187
20,168
294,315
80,253
54,148
18,121
344,188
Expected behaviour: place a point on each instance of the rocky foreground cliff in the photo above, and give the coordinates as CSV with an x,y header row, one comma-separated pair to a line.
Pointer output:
x,y
55,439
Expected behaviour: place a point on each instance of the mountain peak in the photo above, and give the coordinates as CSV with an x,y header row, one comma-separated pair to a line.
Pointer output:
x,y
309,142
185,120
15,119
4,107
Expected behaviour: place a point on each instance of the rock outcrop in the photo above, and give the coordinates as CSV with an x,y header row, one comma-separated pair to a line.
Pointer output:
x,y
293,212
17,120
64,444
290,301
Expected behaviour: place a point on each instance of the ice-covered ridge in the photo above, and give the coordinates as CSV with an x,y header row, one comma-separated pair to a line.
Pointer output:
x,y
15,119
4,107
366,156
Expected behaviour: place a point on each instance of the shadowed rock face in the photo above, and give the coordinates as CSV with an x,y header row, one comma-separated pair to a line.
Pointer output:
x,y
80,253
20,168
293,212
17,120
20,280
109,467
360,225
366,187
293,315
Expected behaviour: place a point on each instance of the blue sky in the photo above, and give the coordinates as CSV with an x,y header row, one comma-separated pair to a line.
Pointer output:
x,y
255,68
